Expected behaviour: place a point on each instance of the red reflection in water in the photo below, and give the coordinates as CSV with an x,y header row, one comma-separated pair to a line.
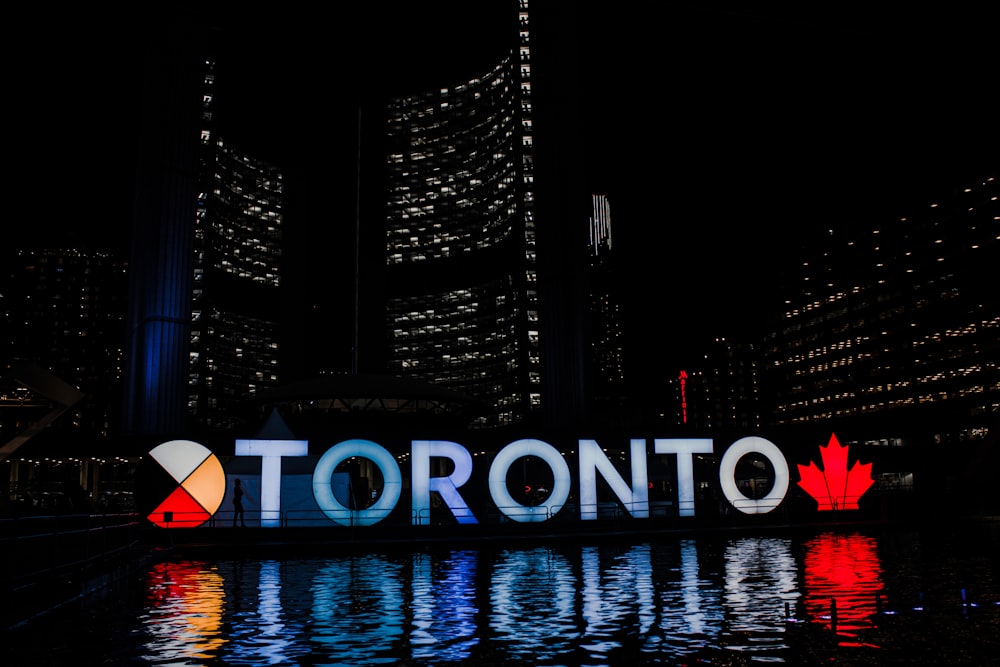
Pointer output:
x,y
184,609
843,576
172,581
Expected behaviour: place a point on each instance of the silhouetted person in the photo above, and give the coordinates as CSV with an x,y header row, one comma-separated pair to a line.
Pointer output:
x,y
238,504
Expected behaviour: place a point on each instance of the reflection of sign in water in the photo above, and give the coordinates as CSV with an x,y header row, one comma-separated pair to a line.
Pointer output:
x,y
184,617
836,488
842,572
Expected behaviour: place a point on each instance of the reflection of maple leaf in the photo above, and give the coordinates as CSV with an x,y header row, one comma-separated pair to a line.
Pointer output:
x,y
834,487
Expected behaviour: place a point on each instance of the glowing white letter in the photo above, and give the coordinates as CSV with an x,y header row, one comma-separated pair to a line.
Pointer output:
x,y
270,453
727,470
684,448
498,480
422,483
636,500
323,491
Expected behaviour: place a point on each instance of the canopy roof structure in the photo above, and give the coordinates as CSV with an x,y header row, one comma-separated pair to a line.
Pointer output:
x,y
38,397
312,405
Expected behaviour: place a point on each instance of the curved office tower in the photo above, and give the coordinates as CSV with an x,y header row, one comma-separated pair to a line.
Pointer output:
x,y
462,307
234,305
203,303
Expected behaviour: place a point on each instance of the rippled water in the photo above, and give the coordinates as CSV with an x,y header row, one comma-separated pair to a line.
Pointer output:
x,y
736,599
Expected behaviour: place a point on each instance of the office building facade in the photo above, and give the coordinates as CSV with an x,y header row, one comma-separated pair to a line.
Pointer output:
x,y
721,394
460,244
607,364
63,318
463,304
894,331
206,274
235,308
64,313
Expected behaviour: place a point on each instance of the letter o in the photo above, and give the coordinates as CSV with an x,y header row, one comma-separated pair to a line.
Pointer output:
x,y
323,491
727,471
498,480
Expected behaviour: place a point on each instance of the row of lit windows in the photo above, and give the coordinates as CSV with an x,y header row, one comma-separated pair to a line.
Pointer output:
x,y
463,187
809,405
462,316
409,106
436,329
431,230
498,346
437,340
825,351
468,164
456,309
472,379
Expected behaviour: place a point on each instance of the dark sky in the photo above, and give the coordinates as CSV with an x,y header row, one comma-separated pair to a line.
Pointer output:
x,y
723,134
731,135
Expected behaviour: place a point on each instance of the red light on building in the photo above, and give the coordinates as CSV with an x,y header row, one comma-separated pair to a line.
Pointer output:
x,y
684,413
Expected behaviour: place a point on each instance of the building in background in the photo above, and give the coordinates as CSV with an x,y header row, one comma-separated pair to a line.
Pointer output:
x,y
721,395
892,333
206,250
462,305
605,343
235,308
64,313
63,317
468,305
467,272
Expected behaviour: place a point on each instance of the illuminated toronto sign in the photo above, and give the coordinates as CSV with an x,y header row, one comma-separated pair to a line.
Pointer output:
x,y
199,482
197,486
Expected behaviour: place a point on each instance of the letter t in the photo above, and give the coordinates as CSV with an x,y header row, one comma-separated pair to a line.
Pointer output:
x,y
270,453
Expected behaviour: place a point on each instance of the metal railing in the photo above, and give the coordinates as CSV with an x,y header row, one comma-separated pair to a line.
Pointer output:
x,y
31,547
44,559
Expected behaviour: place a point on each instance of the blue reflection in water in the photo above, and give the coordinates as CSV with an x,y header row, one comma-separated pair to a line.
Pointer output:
x,y
261,631
532,599
357,611
444,606
688,602
614,591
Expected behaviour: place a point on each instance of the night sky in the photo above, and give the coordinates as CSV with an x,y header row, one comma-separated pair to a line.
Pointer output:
x,y
723,135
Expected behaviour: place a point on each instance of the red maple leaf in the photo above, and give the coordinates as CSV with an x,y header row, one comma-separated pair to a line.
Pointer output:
x,y
834,488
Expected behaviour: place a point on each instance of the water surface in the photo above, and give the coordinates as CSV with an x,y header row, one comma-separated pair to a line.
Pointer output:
x,y
874,596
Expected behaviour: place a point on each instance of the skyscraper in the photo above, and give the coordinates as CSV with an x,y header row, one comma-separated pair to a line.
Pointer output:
x,y
237,275
606,346
893,330
456,282
464,302
203,304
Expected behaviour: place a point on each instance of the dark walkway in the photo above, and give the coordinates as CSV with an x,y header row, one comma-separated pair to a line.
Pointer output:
x,y
49,561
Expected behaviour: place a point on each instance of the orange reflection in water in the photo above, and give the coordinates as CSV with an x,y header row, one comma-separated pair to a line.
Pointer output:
x,y
185,601
843,577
